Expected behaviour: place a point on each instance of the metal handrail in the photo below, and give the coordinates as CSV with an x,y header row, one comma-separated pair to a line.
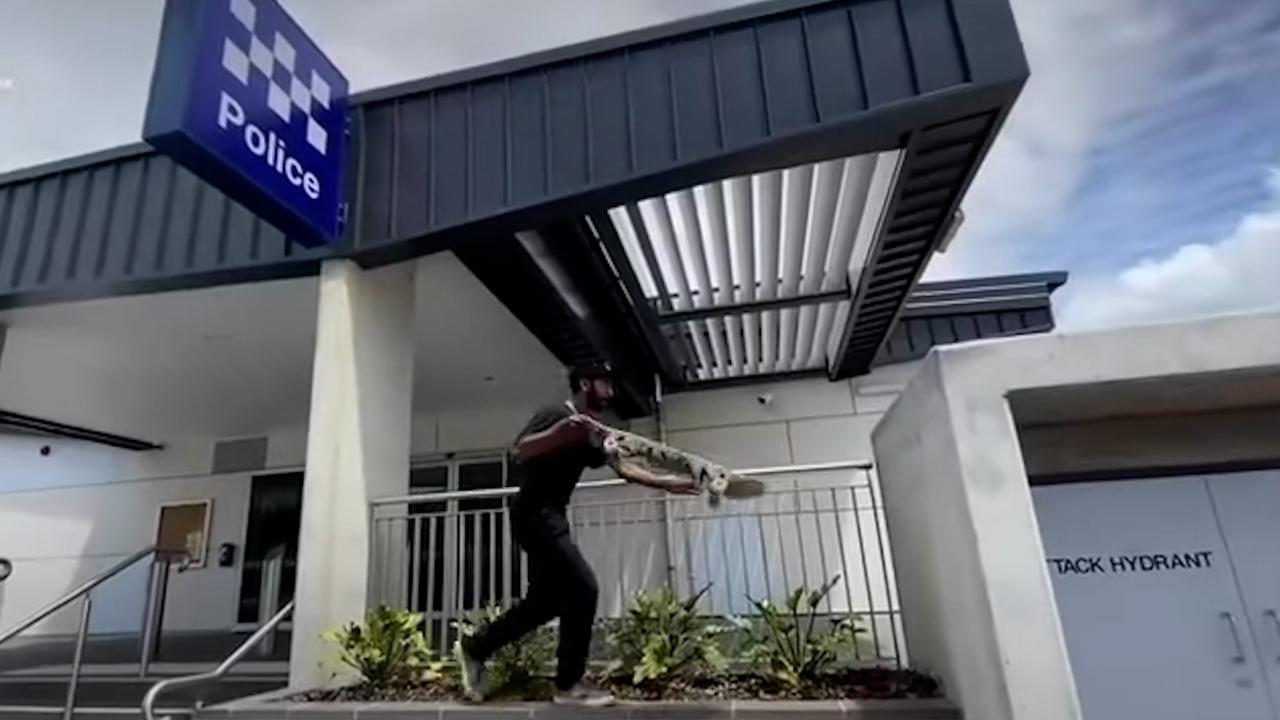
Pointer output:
x,y
240,653
614,482
70,597
82,593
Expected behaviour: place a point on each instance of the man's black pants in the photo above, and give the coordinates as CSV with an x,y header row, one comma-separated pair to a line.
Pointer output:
x,y
561,585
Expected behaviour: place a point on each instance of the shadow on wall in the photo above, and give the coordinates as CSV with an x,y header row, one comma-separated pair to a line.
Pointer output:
x,y
49,529
66,516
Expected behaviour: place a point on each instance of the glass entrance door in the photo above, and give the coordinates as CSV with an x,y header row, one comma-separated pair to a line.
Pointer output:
x,y
275,516
482,531
460,554
428,548
461,557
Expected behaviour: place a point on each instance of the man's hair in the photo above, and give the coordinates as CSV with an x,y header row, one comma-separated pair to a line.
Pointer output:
x,y
589,371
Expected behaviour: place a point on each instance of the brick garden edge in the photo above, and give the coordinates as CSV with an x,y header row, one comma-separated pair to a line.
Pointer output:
x,y
276,707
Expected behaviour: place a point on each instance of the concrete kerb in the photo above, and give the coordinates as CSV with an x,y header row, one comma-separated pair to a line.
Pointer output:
x,y
273,706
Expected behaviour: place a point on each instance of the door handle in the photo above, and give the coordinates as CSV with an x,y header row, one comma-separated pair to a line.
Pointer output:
x,y
1275,623
1238,659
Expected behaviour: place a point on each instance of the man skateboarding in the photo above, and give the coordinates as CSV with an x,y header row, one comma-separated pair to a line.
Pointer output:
x,y
554,448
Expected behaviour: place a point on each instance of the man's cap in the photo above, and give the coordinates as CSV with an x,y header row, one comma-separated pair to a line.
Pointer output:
x,y
594,369
590,371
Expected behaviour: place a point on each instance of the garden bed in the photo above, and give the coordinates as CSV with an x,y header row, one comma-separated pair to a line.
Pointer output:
x,y
853,684
659,657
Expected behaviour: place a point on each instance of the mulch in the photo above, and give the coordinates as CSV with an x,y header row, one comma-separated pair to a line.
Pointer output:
x,y
858,684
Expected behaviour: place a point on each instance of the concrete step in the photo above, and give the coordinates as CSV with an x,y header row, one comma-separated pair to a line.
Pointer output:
x,y
127,693
248,668
23,712
119,650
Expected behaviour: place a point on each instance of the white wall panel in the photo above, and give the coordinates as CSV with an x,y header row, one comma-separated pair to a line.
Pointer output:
x,y
739,445
833,439
730,406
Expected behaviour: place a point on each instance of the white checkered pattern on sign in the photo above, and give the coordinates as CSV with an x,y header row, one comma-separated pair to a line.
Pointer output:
x,y
300,94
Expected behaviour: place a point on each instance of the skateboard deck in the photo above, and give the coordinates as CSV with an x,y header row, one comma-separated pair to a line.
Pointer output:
x,y
714,480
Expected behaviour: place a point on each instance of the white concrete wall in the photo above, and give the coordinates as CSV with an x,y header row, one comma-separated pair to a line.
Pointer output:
x,y
806,421
947,620
978,605
69,515
66,516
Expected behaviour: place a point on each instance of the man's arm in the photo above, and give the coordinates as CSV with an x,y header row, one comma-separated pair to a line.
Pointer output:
x,y
564,434
637,475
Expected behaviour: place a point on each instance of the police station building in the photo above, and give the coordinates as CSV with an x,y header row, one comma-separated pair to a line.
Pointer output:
x,y
293,334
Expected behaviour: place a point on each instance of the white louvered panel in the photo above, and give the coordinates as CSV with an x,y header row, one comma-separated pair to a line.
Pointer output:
x,y
881,177
841,316
693,248
797,187
662,239
635,256
712,217
878,176
854,184
822,211
766,201
742,248
699,331
774,235
851,205
663,236
822,332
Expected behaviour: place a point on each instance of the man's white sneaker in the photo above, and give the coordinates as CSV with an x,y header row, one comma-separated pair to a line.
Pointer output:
x,y
475,678
583,696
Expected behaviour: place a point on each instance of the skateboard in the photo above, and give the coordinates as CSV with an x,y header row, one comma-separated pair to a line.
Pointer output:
x,y
714,480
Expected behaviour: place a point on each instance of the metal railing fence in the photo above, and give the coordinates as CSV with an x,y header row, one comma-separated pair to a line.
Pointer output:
x,y
447,554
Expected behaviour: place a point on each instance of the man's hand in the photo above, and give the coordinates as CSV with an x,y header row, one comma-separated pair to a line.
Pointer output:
x,y
578,428
633,473
680,485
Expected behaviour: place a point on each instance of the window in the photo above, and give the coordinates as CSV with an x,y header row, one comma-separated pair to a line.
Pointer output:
x,y
427,530
183,527
465,555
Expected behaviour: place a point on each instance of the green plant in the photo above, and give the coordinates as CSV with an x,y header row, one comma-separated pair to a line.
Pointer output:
x,y
662,636
388,649
791,642
518,663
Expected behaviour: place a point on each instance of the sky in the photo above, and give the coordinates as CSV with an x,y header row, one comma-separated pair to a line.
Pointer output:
x,y
1143,156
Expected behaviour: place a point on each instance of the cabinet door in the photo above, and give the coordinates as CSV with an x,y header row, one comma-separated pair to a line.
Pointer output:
x,y
1248,506
1153,621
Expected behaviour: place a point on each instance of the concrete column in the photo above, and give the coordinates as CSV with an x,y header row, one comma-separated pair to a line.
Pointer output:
x,y
357,449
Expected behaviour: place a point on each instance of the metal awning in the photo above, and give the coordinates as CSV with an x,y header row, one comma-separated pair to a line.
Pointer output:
x,y
717,175
752,275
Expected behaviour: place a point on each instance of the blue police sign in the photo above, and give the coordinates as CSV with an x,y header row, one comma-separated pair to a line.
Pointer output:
x,y
245,100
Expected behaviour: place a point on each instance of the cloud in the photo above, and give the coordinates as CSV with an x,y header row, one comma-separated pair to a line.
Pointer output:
x,y
400,40
81,69
1141,129
1091,61
1235,274
80,72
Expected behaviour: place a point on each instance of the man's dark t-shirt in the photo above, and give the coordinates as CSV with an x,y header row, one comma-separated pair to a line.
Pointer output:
x,y
548,481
